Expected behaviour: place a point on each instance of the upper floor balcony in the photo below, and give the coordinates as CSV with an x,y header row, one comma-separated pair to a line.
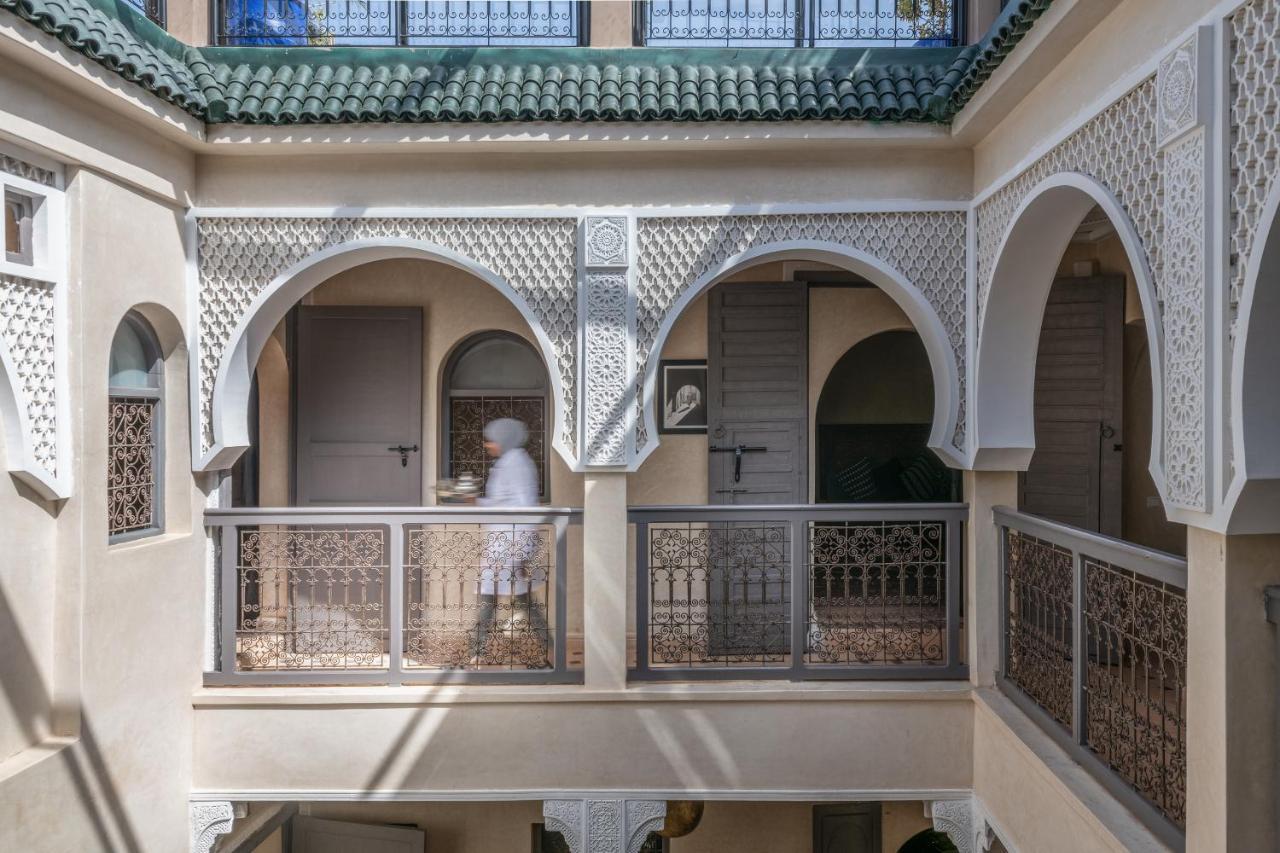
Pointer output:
x,y
657,23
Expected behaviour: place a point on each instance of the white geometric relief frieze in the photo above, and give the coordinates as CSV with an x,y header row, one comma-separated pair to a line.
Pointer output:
x,y
1177,93
607,367
606,243
1184,324
27,330
239,256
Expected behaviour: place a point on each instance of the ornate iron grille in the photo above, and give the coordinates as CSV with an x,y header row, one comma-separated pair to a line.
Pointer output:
x,y
477,597
1135,688
399,22
798,591
877,593
311,598
799,23
467,419
1095,641
131,464
720,594
153,9
1038,622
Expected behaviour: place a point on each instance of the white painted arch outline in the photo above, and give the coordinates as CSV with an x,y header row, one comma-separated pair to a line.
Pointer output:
x,y
235,372
1252,502
942,360
1003,374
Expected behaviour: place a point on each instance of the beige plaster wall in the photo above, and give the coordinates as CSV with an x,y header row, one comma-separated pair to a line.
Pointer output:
x,y
611,23
634,178
1136,32
753,738
126,620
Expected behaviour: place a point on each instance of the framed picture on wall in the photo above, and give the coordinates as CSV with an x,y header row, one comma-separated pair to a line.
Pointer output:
x,y
682,396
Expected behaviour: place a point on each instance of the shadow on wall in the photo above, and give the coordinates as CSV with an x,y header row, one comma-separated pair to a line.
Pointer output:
x,y
28,696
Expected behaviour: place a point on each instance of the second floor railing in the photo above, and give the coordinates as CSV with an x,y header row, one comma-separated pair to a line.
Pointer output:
x,y
391,596
799,23
800,592
399,22
1094,643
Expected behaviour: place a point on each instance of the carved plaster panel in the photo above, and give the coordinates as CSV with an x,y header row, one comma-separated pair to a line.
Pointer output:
x,y
674,252
604,825
1177,98
1185,357
208,821
27,329
606,241
23,169
1118,148
606,369
240,256
954,818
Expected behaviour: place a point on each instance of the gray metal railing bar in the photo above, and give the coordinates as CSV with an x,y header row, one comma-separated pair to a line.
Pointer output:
x,y
807,512
1166,568
406,515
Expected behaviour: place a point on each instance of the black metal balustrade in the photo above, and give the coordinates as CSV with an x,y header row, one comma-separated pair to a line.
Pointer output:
x,y
799,23
820,592
391,596
1094,644
153,9
399,22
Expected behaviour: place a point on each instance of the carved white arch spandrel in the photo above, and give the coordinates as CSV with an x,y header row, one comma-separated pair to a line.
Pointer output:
x,y
1253,497
229,397
1025,266
938,344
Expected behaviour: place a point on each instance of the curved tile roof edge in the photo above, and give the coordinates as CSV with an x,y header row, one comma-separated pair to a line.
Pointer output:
x,y
323,85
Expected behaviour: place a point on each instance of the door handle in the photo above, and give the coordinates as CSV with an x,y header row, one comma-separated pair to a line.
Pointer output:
x,y
737,456
404,452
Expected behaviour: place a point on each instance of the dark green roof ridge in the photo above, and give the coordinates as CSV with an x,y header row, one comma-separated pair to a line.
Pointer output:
x,y
343,84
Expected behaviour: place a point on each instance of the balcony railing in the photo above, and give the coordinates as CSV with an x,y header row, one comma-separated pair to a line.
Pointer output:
x,y
1094,643
799,23
399,22
799,592
391,596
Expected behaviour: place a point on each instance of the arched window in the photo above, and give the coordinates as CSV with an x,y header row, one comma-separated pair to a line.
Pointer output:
x,y
135,389
493,375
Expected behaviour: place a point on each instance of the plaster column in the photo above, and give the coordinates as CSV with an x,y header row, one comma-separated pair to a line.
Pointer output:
x,y
984,490
604,581
611,23
1231,692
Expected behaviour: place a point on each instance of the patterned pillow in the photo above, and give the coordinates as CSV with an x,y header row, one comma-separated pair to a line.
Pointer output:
x,y
857,482
924,478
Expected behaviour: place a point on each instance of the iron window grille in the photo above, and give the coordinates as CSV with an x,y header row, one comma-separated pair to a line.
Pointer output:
x,y
405,23
799,23
134,426
153,9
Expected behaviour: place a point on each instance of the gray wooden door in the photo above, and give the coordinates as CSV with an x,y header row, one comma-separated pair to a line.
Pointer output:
x,y
1074,476
846,828
758,393
312,835
359,390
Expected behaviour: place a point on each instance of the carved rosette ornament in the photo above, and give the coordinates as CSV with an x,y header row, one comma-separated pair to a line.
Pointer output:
x,y
208,821
608,312
1182,114
604,826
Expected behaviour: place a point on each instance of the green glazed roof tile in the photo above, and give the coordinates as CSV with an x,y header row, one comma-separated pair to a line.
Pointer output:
x,y
316,85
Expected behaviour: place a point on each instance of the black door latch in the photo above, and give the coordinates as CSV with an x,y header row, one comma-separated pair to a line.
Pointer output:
x,y
404,452
737,456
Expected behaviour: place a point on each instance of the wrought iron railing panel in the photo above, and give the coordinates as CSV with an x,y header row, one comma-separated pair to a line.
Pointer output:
x,y
716,591
477,597
391,595
878,593
131,464
153,9
1095,639
799,23
1135,688
1038,623
399,22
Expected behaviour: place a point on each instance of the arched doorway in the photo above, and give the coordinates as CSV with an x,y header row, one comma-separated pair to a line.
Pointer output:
x,y
872,426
